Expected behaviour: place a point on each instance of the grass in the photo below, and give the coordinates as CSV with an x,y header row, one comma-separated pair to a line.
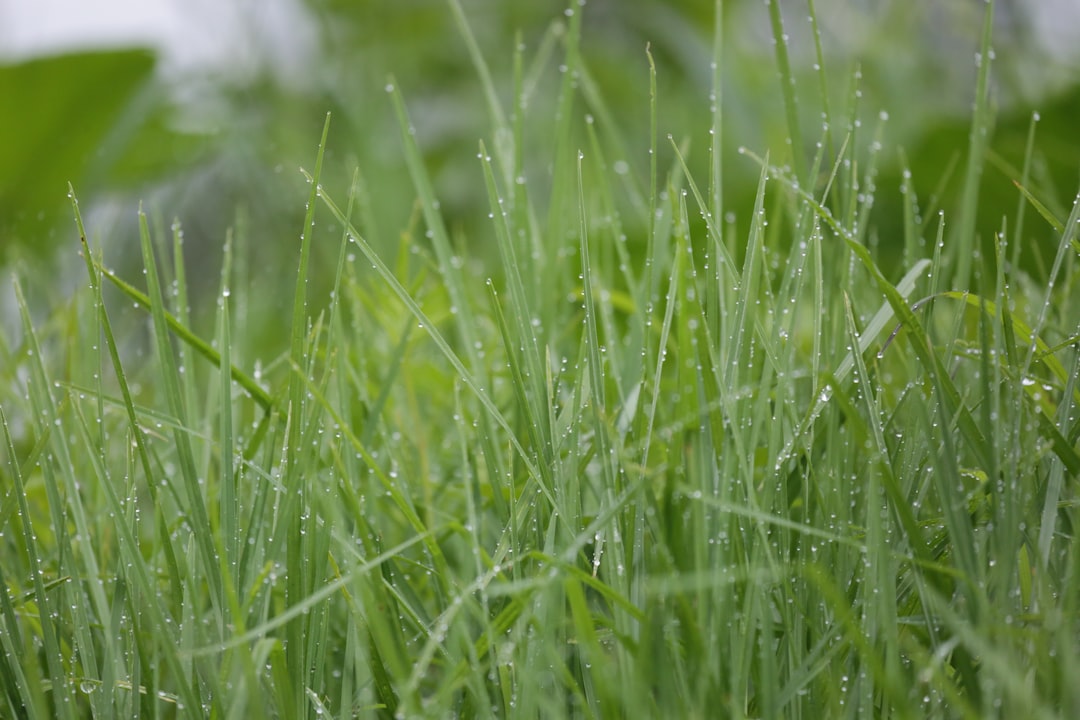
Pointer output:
x,y
707,474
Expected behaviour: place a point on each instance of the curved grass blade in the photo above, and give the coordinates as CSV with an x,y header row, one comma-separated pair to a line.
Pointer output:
x,y
196,343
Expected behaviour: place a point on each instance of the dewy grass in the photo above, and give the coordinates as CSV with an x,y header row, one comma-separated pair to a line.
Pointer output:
x,y
758,476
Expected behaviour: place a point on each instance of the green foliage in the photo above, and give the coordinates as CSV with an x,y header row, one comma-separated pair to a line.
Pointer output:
x,y
92,118
751,464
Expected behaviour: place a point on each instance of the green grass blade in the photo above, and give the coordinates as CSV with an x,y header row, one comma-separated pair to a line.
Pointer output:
x,y
63,691
426,323
195,342
228,508
172,389
963,241
296,518
787,87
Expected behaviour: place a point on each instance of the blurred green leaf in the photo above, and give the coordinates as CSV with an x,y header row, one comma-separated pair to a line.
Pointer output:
x,y
63,118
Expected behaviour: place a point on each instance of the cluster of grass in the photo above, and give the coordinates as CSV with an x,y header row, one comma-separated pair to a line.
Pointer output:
x,y
729,475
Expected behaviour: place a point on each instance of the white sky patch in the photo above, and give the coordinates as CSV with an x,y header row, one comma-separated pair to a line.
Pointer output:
x,y
236,39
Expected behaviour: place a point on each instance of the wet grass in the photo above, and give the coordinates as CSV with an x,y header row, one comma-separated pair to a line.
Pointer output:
x,y
714,473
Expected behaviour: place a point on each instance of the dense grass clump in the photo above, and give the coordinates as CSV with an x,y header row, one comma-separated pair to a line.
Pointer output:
x,y
675,459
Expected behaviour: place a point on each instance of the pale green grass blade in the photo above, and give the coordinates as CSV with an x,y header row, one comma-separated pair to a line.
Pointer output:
x,y
613,226
913,223
1042,354
17,688
650,248
820,578
1045,212
183,333
320,595
950,396
392,489
963,240
62,493
1068,237
131,559
787,87
727,260
1021,183
994,664
879,571
737,360
334,324
938,279
1002,401
63,691
449,264
1070,592
85,602
506,140
1056,480
178,301
595,397
296,518
868,187
538,432
396,367
716,108
534,400
822,74
467,377
848,199
136,428
700,481
228,504
563,198
602,126
475,527
450,270
525,229
172,389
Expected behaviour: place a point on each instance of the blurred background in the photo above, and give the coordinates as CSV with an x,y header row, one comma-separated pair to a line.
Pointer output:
x,y
204,111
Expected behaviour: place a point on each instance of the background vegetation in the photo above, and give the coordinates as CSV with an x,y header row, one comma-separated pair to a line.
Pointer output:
x,y
701,360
